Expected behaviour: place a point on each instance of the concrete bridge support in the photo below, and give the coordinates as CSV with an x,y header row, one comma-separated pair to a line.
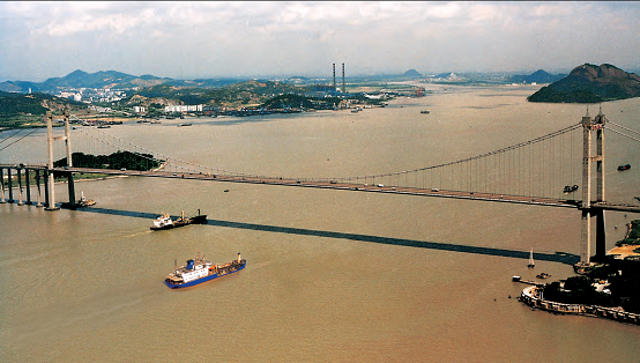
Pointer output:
x,y
47,198
19,173
589,126
49,183
27,183
601,245
2,186
39,197
10,185
67,139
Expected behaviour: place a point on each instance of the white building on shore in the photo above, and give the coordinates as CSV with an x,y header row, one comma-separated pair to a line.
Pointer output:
x,y
184,108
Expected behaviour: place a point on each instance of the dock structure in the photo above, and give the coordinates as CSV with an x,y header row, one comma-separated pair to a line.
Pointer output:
x,y
532,296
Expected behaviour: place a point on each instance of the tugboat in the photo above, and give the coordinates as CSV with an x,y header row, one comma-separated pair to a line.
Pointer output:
x,y
624,167
570,189
165,222
425,112
82,202
199,270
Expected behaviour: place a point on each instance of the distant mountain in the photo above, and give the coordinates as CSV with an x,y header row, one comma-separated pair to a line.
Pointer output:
x,y
412,73
590,84
539,76
80,79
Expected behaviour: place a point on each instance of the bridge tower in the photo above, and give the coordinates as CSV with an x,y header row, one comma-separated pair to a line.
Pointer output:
x,y
590,125
50,189
67,140
50,194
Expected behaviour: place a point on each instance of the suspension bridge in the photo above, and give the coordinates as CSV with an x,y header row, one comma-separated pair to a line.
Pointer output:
x,y
532,172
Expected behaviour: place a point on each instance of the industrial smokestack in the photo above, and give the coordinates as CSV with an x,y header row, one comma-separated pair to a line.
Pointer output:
x,y
334,77
344,85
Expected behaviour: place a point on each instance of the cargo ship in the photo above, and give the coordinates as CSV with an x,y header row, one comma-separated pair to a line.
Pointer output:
x,y
165,222
199,270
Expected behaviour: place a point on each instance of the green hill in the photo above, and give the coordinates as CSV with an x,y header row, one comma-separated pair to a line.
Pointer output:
x,y
590,84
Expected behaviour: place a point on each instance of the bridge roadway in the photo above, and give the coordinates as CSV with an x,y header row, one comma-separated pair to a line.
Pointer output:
x,y
339,185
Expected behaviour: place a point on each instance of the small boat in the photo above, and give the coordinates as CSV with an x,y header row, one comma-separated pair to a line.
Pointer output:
x,y
425,111
199,270
82,202
186,124
164,221
624,167
570,189
543,275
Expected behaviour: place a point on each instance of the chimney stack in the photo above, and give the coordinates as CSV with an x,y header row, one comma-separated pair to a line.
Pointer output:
x,y
344,85
334,77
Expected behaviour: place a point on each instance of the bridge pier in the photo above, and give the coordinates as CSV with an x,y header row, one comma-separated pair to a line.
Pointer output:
x,y
2,201
19,172
71,189
39,197
10,185
45,177
28,186
601,245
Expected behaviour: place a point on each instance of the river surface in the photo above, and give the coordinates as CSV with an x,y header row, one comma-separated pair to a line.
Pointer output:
x,y
332,276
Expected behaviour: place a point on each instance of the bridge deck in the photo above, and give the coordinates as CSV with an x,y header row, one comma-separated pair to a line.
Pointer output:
x,y
330,184
339,185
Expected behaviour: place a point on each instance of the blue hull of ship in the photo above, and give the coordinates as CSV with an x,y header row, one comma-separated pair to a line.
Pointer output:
x,y
199,281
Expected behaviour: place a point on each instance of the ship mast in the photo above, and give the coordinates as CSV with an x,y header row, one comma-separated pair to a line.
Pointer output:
x,y
531,262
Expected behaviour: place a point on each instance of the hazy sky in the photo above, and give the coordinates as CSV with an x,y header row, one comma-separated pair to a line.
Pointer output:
x,y
187,40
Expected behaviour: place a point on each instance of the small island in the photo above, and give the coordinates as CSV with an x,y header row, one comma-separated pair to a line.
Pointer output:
x,y
609,289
